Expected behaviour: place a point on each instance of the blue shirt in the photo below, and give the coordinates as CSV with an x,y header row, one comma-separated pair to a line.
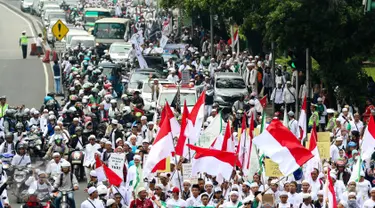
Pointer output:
x,y
56,70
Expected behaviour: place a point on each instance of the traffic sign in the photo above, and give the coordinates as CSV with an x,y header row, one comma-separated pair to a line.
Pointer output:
x,y
59,30
60,46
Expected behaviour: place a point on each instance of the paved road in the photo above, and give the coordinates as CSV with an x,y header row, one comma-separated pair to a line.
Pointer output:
x,y
22,81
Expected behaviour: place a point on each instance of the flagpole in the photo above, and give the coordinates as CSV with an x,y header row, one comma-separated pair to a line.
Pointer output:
x,y
175,158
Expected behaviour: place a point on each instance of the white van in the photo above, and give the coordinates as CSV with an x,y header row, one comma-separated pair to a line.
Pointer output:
x,y
73,33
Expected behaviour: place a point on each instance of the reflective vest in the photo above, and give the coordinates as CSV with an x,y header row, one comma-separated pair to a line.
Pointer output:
x,y
3,109
24,40
314,118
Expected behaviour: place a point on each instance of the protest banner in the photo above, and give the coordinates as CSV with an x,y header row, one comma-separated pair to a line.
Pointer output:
x,y
323,148
116,163
186,173
272,168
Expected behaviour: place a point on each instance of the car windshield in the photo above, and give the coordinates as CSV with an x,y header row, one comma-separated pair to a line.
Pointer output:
x,y
236,83
109,30
139,77
169,96
28,1
69,37
154,62
92,16
85,43
119,49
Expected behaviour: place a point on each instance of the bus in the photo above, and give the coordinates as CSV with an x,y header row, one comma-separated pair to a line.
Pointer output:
x,y
91,15
110,30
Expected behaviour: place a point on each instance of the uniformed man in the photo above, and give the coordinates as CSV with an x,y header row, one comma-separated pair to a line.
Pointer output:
x,y
331,120
293,124
314,118
3,106
24,41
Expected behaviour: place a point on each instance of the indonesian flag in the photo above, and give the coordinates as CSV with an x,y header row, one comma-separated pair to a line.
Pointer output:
x,y
160,150
368,140
213,162
235,38
302,121
181,148
244,146
168,113
228,142
105,173
329,192
313,148
195,119
278,143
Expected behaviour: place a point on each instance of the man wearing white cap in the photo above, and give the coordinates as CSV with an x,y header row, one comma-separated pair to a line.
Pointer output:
x,y
89,160
233,201
53,168
172,77
363,186
293,125
370,203
331,120
289,95
41,187
338,186
322,111
334,149
92,201
307,202
23,42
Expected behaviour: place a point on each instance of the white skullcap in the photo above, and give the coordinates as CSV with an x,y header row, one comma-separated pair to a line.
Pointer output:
x,y
334,176
108,142
114,121
137,157
118,139
283,193
208,183
75,119
320,99
344,110
93,173
187,181
92,136
143,118
330,110
306,195
305,181
110,202
161,186
91,190
339,138
274,181
372,189
253,185
320,192
141,189
55,154
344,203
233,193
104,140
352,194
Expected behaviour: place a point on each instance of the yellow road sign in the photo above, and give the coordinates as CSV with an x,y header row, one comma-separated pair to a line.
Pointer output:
x,y
59,30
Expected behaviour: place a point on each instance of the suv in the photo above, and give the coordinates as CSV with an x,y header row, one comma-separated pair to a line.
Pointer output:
x,y
229,87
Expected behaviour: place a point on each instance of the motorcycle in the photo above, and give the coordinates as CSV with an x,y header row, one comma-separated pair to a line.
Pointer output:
x,y
6,159
76,159
20,175
33,201
34,145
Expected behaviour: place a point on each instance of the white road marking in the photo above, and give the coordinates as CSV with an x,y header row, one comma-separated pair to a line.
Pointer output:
x,y
33,34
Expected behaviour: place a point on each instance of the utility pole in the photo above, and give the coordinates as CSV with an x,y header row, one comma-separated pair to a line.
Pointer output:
x,y
212,32
308,86
273,71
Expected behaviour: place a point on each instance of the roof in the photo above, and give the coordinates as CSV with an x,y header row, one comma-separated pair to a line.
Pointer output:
x,y
227,75
113,20
96,10
121,44
83,38
77,31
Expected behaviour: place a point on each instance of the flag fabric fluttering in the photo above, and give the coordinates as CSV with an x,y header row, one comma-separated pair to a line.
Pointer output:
x,y
368,140
315,162
195,119
204,160
105,173
161,149
228,143
357,169
168,113
329,192
286,119
181,148
278,143
241,147
176,102
235,38
302,121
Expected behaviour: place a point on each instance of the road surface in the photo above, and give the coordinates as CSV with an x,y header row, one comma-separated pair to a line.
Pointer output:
x,y
22,81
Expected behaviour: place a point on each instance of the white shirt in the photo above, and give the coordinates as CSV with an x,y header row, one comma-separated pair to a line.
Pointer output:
x,y
19,160
286,205
42,190
289,95
334,152
230,204
193,202
369,203
96,203
172,78
172,203
277,96
363,189
294,128
356,126
340,188
294,199
90,154
39,42
53,168
2,147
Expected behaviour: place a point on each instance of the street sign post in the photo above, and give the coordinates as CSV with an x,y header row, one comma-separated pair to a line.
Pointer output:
x,y
59,30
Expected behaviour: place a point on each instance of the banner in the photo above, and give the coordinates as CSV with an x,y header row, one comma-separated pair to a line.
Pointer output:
x,y
116,163
322,136
212,131
137,39
323,148
272,168
187,173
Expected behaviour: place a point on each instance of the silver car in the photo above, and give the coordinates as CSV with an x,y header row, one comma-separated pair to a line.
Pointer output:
x,y
119,51
26,5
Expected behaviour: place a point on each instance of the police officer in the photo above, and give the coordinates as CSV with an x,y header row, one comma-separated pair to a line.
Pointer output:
x,y
24,41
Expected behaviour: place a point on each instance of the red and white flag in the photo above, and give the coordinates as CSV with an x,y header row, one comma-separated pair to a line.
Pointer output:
x,y
302,121
368,140
195,119
244,146
278,143
168,113
105,173
181,148
313,148
160,150
329,192
235,37
213,162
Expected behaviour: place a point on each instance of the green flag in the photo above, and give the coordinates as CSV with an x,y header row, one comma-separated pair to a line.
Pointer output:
x,y
264,119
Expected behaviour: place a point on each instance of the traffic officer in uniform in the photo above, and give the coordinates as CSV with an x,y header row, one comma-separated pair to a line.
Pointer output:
x,y
24,41
314,118
3,106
